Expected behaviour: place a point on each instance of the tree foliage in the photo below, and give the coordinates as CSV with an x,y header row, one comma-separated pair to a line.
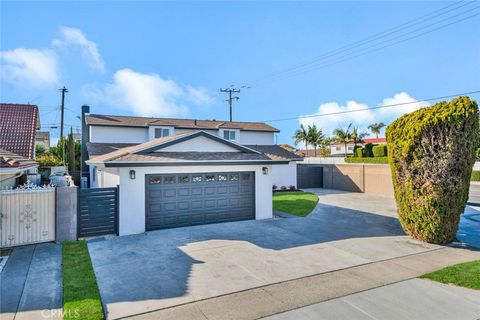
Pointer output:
x,y
376,128
431,153
343,136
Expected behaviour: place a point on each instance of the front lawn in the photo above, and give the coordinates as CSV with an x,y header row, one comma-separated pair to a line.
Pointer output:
x,y
463,274
81,299
298,203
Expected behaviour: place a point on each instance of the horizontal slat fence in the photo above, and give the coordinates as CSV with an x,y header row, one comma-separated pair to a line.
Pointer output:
x,y
97,212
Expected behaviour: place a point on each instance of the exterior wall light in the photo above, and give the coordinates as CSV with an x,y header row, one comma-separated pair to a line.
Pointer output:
x,y
132,174
265,170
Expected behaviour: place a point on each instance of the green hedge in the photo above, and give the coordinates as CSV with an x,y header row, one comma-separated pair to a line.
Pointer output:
x,y
379,150
475,175
431,153
358,152
366,160
367,150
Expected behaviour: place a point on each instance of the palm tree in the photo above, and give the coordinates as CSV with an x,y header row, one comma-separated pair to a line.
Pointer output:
x,y
357,137
315,137
343,136
301,135
376,127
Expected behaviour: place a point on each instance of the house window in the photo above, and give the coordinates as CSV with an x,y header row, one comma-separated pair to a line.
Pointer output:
x,y
350,148
161,132
229,135
337,148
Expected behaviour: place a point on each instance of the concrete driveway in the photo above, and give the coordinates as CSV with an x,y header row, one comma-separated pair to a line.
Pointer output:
x,y
160,269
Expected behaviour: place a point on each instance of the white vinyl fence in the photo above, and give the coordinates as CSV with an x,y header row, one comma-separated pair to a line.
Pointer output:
x,y
27,215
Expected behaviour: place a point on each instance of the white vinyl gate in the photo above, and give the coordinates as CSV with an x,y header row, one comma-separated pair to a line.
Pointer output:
x,y
27,216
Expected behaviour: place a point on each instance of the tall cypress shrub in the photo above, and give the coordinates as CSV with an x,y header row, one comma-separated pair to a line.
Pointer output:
x,y
431,153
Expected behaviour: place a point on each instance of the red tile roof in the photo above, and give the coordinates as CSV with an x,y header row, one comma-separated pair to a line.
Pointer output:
x,y
11,160
374,140
18,123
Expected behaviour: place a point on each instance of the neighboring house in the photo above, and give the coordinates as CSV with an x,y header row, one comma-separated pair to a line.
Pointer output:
x,y
43,138
338,149
13,168
177,172
18,126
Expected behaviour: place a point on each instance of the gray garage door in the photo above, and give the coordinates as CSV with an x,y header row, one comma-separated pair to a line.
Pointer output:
x,y
176,200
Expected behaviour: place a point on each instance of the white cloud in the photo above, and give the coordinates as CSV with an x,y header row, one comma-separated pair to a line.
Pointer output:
x,y
362,119
146,94
198,95
36,67
72,37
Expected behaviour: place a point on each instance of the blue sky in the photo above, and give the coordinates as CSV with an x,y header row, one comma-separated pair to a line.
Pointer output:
x,y
170,58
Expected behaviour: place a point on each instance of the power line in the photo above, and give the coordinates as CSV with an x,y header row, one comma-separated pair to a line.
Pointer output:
x,y
353,55
374,38
374,108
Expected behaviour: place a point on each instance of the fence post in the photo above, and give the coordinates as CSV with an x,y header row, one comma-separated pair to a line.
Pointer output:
x,y
66,213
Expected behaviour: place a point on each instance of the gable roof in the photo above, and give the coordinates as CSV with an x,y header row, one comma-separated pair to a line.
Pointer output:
x,y
18,123
130,121
10,160
153,146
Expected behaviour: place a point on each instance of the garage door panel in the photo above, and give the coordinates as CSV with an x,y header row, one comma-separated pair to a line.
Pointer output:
x,y
176,200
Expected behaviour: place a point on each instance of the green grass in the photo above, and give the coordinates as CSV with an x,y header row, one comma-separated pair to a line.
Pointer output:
x,y
81,299
475,175
463,274
366,160
297,203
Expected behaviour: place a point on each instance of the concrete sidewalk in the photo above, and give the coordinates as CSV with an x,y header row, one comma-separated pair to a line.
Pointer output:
x,y
31,283
284,296
410,299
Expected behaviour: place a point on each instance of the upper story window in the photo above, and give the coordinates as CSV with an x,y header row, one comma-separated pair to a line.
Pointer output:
x,y
229,135
161,132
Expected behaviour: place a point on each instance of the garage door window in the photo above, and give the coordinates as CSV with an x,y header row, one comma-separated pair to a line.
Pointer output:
x,y
234,177
196,179
209,178
169,180
154,180
246,176
183,179
222,177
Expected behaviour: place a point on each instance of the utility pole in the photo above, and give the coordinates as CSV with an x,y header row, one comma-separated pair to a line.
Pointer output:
x,y
63,90
230,91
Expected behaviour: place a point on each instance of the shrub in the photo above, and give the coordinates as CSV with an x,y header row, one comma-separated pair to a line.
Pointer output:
x,y
283,188
49,161
292,188
274,187
358,152
367,150
475,175
379,150
366,160
431,154
478,154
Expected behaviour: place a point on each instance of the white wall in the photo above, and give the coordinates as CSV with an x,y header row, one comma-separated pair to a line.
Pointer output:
x,y
333,149
199,144
260,138
284,174
476,166
132,192
118,134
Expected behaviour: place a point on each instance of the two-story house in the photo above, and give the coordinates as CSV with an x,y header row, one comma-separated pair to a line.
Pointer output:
x,y
179,172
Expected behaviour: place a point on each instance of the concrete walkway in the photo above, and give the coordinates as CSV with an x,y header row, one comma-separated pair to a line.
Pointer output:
x,y
31,283
308,291
410,299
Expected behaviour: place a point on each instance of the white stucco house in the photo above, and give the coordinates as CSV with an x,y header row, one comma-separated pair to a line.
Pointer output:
x,y
179,172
